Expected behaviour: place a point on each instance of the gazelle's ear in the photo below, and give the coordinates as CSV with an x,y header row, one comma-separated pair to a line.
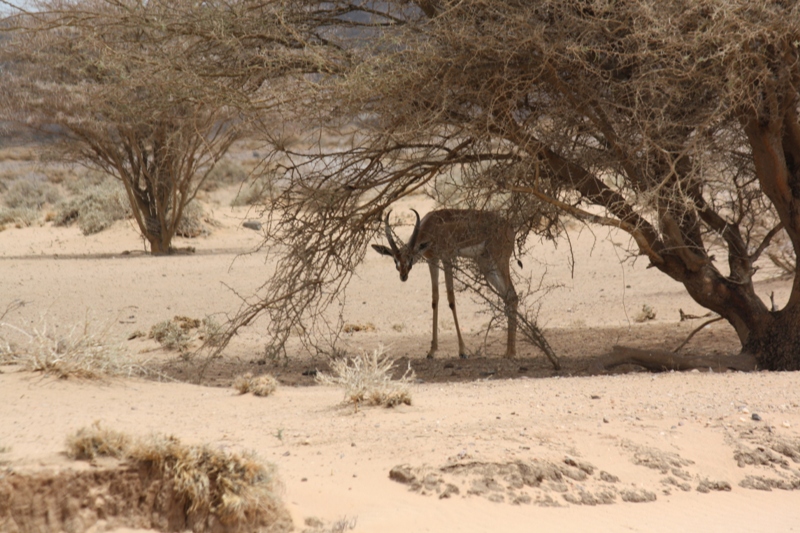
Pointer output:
x,y
381,249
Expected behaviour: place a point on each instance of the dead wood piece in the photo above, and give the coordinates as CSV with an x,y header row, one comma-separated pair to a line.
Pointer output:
x,y
688,316
663,360
695,331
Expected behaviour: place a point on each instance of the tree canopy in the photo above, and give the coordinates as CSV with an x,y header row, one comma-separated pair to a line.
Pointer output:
x,y
675,121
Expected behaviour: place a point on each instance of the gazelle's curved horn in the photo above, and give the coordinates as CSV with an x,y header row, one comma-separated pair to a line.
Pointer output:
x,y
389,237
413,242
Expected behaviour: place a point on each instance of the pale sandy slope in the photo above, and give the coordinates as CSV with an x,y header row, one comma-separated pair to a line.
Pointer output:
x,y
335,462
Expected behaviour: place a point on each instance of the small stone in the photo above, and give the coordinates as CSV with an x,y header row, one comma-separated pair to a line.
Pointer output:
x,y
756,417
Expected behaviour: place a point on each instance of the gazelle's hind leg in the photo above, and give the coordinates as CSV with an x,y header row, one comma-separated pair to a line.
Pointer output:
x,y
451,301
434,269
499,277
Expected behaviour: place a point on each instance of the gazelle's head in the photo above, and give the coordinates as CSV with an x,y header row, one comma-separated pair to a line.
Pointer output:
x,y
405,255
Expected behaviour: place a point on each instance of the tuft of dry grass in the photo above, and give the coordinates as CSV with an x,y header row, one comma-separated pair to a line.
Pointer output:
x,y
315,525
179,333
369,327
262,385
367,379
97,441
217,487
84,351
175,334
647,313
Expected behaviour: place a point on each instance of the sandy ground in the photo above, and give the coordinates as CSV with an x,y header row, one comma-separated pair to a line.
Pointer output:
x,y
634,452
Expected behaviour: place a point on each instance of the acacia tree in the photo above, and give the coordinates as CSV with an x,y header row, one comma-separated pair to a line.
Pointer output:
x,y
676,122
115,84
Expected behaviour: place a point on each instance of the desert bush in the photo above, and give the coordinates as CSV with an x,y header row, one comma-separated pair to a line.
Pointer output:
x,y
211,332
253,193
367,379
98,205
20,217
217,487
179,332
175,334
84,351
30,192
194,221
262,385
225,172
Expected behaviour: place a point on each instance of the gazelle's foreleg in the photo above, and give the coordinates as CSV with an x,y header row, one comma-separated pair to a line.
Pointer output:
x,y
434,268
451,301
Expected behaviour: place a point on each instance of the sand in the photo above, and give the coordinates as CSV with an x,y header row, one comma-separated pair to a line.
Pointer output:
x,y
629,452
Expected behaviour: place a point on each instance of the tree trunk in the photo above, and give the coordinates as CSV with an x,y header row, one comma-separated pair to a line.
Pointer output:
x,y
159,244
158,248
776,345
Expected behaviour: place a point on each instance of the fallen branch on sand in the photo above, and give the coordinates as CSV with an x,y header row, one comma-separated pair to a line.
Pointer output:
x,y
663,360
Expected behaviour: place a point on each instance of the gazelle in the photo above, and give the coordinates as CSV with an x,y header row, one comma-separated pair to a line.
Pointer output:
x,y
442,236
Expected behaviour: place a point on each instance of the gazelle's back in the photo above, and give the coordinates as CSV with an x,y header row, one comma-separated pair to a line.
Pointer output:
x,y
464,232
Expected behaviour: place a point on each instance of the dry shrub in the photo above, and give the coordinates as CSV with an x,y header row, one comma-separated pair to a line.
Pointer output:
x,y
225,172
315,525
355,328
175,334
262,385
236,491
211,331
194,222
647,313
181,331
84,351
20,217
96,441
256,192
367,379
31,192
99,204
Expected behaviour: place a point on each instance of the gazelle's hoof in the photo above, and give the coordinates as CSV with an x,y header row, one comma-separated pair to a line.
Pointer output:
x,y
430,355
463,356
